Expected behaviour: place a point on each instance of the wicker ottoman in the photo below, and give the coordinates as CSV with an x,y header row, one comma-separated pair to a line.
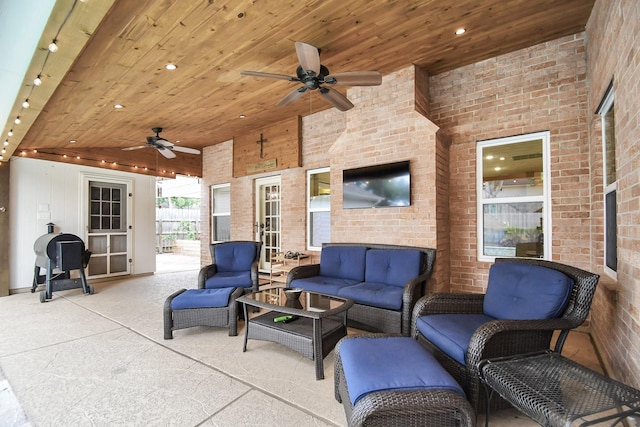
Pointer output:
x,y
201,307
393,381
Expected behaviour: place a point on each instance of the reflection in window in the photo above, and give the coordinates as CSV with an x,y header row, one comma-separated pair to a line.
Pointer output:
x,y
606,112
512,196
318,208
220,213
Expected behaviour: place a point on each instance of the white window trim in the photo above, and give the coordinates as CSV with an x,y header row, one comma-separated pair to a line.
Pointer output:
x,y
545,136
603,108
309,210
211,198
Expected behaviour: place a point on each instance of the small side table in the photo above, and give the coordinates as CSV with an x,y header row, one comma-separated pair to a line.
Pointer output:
x,y
555,391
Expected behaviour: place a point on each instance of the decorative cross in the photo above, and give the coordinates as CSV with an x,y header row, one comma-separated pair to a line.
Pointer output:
x,y
261,142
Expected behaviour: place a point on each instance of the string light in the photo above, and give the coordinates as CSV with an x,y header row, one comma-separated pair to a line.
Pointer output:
x,y
25,104
17,120
53,47
37,81
10,133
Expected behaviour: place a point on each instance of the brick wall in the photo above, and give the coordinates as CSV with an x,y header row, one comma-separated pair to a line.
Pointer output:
x,y
613,54
535,89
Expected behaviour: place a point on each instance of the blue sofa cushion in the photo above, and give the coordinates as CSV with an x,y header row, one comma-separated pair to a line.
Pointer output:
x,y
322,284
343,262
374,294
239,279
202,298
392,266
391,363
451,333
526,292
234,256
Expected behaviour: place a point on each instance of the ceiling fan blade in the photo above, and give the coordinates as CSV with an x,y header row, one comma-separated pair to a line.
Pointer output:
x,y
309,57
335,98
355,78
134,148
167,153
185,149
269,75
164,143
292,96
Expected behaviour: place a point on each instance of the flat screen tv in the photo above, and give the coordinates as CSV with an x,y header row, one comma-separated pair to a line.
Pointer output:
x,y
379,186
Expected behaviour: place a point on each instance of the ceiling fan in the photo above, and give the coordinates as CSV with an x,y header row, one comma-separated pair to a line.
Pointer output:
x,y
165,147
314,76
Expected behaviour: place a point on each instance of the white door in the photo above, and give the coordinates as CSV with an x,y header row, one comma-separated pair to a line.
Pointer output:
x,y
108,227
268,225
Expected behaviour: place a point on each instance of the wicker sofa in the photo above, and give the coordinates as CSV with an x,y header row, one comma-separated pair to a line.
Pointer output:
x,y
384,281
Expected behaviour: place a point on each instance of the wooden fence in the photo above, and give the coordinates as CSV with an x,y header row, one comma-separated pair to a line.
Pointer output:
x,y
176,224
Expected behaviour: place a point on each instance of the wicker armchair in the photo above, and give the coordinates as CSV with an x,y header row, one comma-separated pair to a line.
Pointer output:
x,y
233,272
499,338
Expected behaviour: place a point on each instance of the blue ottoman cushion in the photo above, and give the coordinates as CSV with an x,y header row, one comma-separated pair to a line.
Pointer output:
x,y
451,333
202,298
391,363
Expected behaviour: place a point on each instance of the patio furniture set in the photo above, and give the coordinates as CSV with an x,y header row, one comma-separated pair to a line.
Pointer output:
x,y
429,359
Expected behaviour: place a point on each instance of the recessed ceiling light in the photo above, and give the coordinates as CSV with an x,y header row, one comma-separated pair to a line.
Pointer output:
x,y
171,66
460,31
242,116
73,141
118,106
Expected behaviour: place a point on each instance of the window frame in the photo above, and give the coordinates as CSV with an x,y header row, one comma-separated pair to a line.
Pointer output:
x,y
311,210
545,198
214,214
606,106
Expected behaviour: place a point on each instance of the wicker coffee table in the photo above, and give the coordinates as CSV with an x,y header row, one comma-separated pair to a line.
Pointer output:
x,y
319,321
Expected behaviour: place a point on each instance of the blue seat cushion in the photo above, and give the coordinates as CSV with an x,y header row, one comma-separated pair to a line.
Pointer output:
x,y
234,256
343,262
391,363
202,298
322,284
524,291
238,279
374,294
392,266
451,333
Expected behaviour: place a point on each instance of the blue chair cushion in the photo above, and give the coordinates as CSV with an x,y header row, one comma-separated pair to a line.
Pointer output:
x,y
202,298
391,363
322,284
526,292
238,279
234,256
343,262
392,266
374,294
451,333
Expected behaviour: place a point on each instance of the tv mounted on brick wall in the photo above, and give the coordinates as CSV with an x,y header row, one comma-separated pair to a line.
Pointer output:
x,y
379,186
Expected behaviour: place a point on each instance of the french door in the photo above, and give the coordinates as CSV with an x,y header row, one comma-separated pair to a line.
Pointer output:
x,y
108,229
268,225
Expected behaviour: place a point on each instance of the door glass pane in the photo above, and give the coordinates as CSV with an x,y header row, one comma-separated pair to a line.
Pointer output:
x,y
98,244
97,266
118,264
118,243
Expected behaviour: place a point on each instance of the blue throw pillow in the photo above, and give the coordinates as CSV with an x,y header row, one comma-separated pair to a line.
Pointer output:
x,y
392,266
525,291
343,262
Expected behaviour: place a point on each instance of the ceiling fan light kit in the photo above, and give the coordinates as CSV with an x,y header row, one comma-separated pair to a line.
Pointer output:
x,y
313,75
164,147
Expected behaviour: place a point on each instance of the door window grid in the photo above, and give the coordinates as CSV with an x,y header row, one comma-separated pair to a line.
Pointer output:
x,y
271,229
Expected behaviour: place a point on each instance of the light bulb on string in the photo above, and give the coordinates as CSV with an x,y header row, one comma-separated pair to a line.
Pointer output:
x,y
6,142
25,104
53,47
37,81
17,120
10,133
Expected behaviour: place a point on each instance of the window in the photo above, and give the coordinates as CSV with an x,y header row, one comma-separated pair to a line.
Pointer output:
x,y
513,197
318,208
606,112
220,213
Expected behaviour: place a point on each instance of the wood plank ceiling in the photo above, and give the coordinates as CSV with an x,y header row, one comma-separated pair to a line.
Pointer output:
x,y
211,41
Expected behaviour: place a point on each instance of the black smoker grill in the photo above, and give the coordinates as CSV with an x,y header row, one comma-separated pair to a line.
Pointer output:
x,y
58,254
